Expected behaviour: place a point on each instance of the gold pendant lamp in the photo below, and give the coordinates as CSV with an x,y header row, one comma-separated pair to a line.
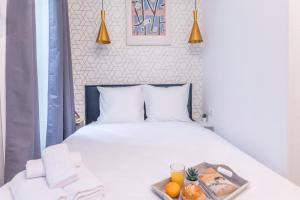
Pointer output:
x,y
103,37
196,36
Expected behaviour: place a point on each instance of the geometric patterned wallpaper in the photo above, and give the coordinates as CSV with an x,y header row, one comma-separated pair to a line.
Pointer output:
x,y
118,63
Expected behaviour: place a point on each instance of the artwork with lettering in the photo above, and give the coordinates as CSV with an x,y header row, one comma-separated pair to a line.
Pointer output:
x,y
148,22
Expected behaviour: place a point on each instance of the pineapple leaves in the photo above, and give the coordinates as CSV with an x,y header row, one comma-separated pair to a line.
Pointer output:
x,y
192,174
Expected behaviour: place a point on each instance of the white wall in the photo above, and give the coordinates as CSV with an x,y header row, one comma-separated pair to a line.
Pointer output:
x,y
245,70
294,92
119,63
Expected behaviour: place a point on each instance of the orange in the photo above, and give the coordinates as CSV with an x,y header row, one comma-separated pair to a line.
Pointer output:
x,y
173,189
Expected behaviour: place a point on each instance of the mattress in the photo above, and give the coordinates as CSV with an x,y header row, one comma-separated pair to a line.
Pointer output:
x,y
129,158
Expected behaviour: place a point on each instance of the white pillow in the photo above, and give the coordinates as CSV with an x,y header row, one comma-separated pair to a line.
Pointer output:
x,y
121,104
167,104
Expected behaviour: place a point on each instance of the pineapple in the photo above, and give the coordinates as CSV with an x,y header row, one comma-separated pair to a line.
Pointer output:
x,y
192,174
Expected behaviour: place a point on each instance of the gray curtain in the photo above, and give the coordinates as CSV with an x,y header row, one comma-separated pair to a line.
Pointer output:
x,y
22,120
61,112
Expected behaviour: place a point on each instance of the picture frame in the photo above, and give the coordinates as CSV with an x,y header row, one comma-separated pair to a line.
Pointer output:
x,y
148,22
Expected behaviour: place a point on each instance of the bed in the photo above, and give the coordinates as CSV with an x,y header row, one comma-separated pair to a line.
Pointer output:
x,y
129,157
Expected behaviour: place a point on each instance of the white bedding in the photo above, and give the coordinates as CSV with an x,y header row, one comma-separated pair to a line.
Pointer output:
x,y
129,158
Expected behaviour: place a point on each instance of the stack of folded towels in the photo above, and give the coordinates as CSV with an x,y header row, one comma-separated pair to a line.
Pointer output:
x,y
59,175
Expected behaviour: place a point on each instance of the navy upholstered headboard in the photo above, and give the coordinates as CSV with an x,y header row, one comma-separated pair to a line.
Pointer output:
x,y
92,108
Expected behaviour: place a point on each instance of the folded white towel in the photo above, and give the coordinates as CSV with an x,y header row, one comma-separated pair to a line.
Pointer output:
x,y
35,168
34,189
59,168
76,158
88,187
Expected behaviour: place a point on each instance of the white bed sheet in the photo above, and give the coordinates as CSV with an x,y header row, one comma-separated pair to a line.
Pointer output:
x,y
129,158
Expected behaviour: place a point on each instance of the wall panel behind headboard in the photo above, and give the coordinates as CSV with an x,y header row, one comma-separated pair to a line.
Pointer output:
x,y
118,63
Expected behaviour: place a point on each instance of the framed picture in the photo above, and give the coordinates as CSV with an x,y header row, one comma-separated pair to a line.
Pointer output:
x,y
148,22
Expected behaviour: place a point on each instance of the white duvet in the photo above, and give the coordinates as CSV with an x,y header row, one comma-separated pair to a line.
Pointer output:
x,y
129,158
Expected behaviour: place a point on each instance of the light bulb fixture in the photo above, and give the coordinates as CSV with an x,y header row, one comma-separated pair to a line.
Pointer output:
x,y
195,36
103,37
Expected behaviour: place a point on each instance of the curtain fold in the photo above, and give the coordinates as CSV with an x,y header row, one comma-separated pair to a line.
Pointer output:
x,y
2,85
1,148
61,109
22,120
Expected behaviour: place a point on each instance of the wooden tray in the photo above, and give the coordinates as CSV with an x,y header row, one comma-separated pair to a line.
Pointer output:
x,y
242,184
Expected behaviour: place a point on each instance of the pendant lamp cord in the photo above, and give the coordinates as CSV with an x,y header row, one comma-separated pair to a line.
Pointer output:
x,y
195,4
102,4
